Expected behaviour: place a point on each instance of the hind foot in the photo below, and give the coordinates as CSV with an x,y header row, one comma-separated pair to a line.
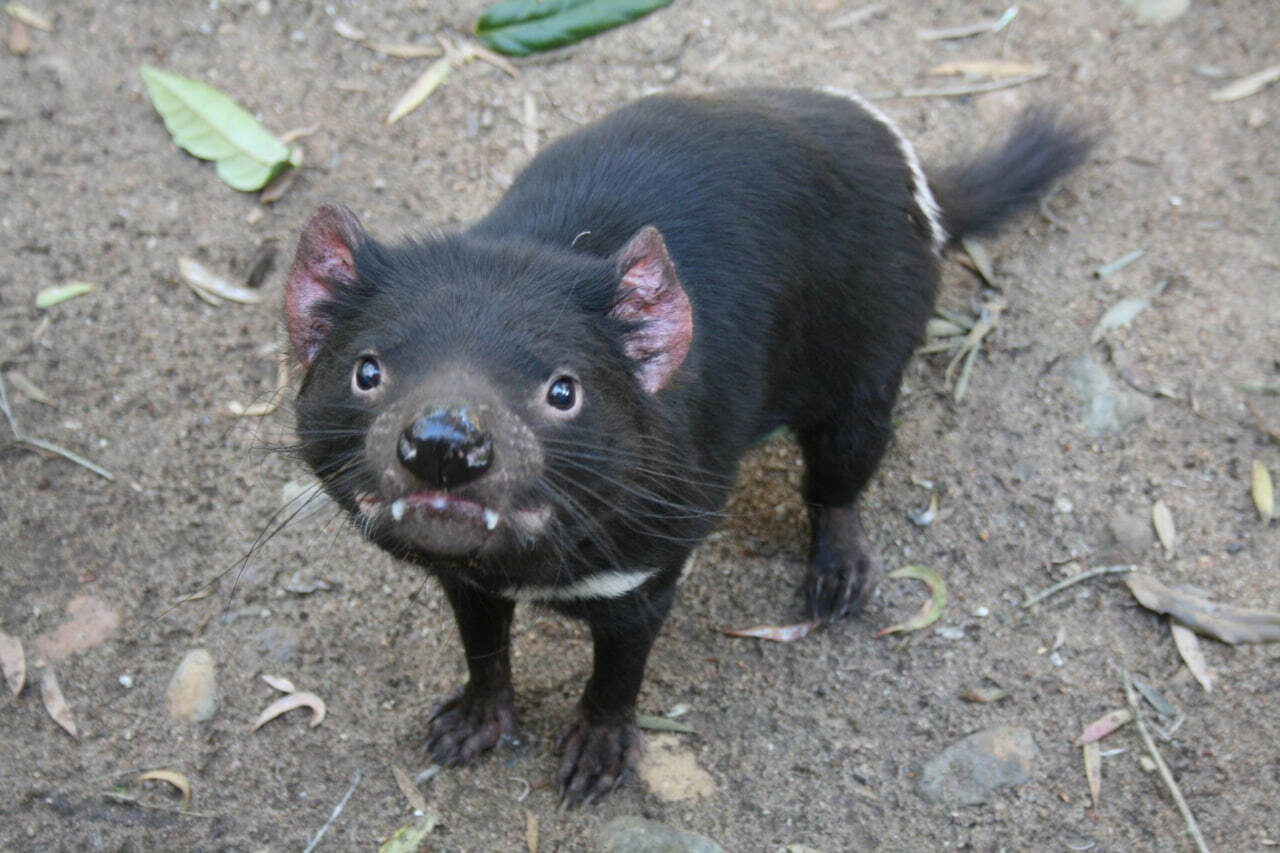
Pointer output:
x,y
842,574
596,756
469,723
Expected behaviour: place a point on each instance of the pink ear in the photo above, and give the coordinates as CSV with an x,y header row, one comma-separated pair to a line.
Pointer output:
x,y
650,296
324,263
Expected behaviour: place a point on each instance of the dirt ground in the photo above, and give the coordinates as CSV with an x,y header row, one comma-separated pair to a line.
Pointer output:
x,y
816,743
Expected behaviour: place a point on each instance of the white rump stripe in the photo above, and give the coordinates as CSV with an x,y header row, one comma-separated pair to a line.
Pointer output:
x,y
602,585
928,205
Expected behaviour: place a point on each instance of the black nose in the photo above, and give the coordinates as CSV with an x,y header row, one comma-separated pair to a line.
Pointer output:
x,y
447,447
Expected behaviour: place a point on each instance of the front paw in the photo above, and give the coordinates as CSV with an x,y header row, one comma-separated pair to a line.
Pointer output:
x,y
596,755
842,574
468,723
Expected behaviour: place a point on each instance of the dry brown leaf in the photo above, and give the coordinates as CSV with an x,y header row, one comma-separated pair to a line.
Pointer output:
x,y
174,778
1224,622
1162,518
1246,86
1093,770
531,831
1264,496
287,703
13,661
1103,726
29,389
994,68
55,703
410,790
777,633
1192,655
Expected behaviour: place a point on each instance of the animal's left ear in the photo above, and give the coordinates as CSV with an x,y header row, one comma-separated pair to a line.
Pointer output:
x,y
650,297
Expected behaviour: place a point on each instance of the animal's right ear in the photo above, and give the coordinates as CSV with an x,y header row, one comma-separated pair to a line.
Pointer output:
x,y
323,265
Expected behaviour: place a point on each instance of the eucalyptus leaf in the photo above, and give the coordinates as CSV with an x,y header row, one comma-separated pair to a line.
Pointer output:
x,y
522,27
51,296
208,124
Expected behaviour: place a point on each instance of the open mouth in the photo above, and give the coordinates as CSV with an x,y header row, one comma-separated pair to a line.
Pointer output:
x,y
429,506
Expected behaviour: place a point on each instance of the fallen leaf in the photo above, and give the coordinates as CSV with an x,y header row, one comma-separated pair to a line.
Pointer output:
x,y
209,124
1154,697
347,31
983,695
410,791
1103,726
174,778
19,39
777,633
1264,496
663,724
1162,518
200,278
530,831
430,80
1110,269
940,328
287,703
28,16
931,609
13,661
51,296
1222,621
1120,315
522,27
995,68
1192,655
926,516
981,259
1093,770
408,837
404,51
1246,86
284,685
55,703
29,389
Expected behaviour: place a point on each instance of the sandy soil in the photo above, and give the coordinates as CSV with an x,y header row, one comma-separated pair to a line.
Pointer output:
x,y
818,742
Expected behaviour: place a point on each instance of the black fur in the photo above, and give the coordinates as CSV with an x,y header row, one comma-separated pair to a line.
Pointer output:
x,y
795,233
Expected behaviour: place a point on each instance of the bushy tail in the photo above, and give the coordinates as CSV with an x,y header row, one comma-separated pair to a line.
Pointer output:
x,y
977,197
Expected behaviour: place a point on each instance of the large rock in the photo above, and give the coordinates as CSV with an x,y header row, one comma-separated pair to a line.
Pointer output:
x,y
970,771
629,834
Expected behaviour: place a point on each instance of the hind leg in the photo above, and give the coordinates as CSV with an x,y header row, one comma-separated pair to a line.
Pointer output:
x,y
841,453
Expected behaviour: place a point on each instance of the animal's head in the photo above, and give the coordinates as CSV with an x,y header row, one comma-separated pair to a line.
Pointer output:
x,y
470,399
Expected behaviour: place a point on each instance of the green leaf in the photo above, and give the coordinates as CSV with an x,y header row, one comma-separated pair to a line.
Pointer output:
x,y
58,294
408,837
522,27
210,125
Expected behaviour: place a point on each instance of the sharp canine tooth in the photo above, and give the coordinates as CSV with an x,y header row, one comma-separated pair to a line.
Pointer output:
x,y
490,519
397,508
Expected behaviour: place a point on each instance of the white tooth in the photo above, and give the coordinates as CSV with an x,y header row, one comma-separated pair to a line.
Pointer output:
x,y
398,507
490,519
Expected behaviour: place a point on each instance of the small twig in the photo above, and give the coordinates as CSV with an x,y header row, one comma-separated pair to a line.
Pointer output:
x,y
1192,826
1074,579
961,89
337,810
19,437
857,16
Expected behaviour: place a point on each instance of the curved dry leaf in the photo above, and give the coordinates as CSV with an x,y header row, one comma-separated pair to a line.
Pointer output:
x,y
1224,622
421,89
13,661
1264,496
1103,726
411,793
284,685
205,282
777,633
55,703
1162,518
931,609
663,724
1246,86
174,778
1192,655
287,703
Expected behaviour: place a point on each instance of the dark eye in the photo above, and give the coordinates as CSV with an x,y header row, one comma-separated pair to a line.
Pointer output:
x,y
368,373
562,394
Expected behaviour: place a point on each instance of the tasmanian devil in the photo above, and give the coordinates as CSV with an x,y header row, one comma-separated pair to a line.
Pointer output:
x,y
550,405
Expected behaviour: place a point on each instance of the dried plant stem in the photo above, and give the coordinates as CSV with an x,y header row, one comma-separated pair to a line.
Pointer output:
x,y
1074,579
19,437
337,810
1192,826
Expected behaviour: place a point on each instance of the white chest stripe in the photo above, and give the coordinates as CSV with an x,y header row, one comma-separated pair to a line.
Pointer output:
x,y
602,585
928,205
